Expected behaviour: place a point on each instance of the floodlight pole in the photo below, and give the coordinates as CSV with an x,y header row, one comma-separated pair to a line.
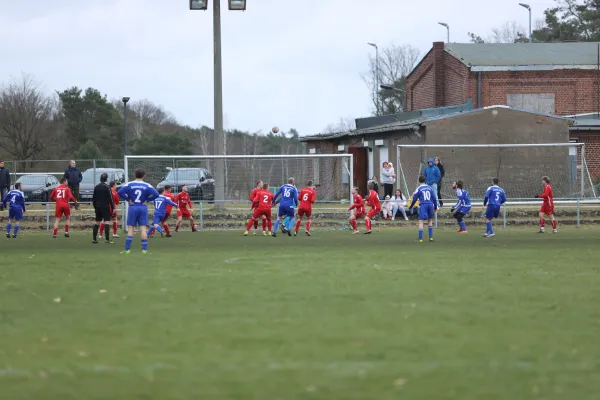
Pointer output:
x,y
219,147
528,7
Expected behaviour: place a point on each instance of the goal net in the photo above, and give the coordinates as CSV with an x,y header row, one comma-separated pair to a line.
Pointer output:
x,y
225,182
519,167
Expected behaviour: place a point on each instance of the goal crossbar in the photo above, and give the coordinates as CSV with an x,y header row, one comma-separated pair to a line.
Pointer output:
x,y
492,145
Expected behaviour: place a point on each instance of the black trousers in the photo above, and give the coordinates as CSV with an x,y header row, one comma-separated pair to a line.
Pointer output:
x,y
388,189
459,216
439,192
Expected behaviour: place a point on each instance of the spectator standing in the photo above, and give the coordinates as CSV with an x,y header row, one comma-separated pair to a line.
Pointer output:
x,y
387,177
74,177
399,202
373,180
4,182
438,163
432,176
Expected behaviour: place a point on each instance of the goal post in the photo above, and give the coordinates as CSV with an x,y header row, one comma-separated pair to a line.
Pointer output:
x,y
519,167
332,174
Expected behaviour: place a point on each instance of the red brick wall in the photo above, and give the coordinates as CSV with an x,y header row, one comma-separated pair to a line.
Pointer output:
x,y
592,152
442,80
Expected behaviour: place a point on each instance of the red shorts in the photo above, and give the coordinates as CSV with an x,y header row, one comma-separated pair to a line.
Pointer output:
x,y
258,213
165,218
373,213
549,210
62,211
304,212
359,214
184,213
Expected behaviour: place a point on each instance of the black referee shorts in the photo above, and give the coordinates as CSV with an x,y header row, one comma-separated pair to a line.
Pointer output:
x,y
103,213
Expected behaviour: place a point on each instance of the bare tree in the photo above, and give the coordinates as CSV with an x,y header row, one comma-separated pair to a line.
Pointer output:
x,y
26,118
508,32
203,140
148,114
395,63
342,125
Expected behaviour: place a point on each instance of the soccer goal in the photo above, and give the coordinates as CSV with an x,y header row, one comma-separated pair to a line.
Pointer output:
x,y
225,182
518,166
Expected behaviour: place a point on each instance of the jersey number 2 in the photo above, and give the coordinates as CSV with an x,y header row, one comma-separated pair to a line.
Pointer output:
x,y
265,199
138,194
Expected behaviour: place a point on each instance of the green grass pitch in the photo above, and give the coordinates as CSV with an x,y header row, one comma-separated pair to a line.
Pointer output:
x,y
216,315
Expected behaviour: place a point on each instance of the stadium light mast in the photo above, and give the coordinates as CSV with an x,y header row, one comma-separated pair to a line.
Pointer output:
x,y
125,100
378,98
390,87
219,147
447,30
528,7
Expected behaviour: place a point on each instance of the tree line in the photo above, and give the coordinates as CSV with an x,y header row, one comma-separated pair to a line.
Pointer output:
x,y
86,124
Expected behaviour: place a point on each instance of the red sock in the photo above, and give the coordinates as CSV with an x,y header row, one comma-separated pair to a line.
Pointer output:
x,y
66,228
250,223
166,227
308,226
177,227
255,225
115,227
542,222
554,224
270,224
264,224
368,224
101,229
298,225
353,223
55,231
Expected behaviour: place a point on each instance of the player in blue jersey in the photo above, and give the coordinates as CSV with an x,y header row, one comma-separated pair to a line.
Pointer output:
x,y
289,199
137,194
427,206
16,208
494,198
160,212
462,206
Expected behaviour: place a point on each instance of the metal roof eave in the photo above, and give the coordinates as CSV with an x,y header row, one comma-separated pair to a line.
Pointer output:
x,y
495,68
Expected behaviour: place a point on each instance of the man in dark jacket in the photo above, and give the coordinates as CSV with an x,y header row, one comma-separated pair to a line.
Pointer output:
x,y
74,177
438,163
4,181
103,204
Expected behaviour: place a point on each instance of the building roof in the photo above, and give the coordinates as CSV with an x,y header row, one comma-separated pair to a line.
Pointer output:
x,y
525,56
415,124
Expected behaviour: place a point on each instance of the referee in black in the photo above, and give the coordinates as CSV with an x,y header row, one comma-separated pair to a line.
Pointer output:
x,y
103,204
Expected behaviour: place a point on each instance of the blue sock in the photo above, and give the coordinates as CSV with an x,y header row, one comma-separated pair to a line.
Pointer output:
x,y
16,229
420,234
290,224
145,244
8,226
463,225
151,230
431,231
488,226
275,226
128,241
159,229
491,228
285,221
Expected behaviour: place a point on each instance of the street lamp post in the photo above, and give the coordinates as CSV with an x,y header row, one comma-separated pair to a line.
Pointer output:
x,y
377,98
528,7
219,148
447,31
125,100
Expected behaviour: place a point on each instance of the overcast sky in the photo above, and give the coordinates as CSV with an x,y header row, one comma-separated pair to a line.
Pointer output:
x,y
290,63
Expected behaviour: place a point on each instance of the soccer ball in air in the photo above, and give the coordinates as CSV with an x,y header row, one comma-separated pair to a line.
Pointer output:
x,y
275,129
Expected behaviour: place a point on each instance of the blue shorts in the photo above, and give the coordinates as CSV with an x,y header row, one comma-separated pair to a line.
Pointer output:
x,y
157,219
464,210
425,212
492,211
137,215
286,211
15,214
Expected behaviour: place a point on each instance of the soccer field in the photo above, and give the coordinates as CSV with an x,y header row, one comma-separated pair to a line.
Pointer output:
x,y
215,315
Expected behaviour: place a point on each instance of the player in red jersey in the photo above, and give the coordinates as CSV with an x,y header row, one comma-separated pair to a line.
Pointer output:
x,y
358,206
548,205
61,195
113,212
184,202
255,201
307,199
373,202
262,210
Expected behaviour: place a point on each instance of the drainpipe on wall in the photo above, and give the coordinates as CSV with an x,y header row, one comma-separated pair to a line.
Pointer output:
x,y
479,102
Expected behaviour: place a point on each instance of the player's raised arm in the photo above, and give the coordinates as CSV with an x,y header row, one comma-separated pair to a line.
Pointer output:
x,y
171,202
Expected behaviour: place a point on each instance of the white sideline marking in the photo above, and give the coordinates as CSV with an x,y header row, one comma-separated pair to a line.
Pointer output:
x,y
232,260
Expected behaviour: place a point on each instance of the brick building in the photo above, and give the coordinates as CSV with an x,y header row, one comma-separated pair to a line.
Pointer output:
x,y
549,78
376,139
